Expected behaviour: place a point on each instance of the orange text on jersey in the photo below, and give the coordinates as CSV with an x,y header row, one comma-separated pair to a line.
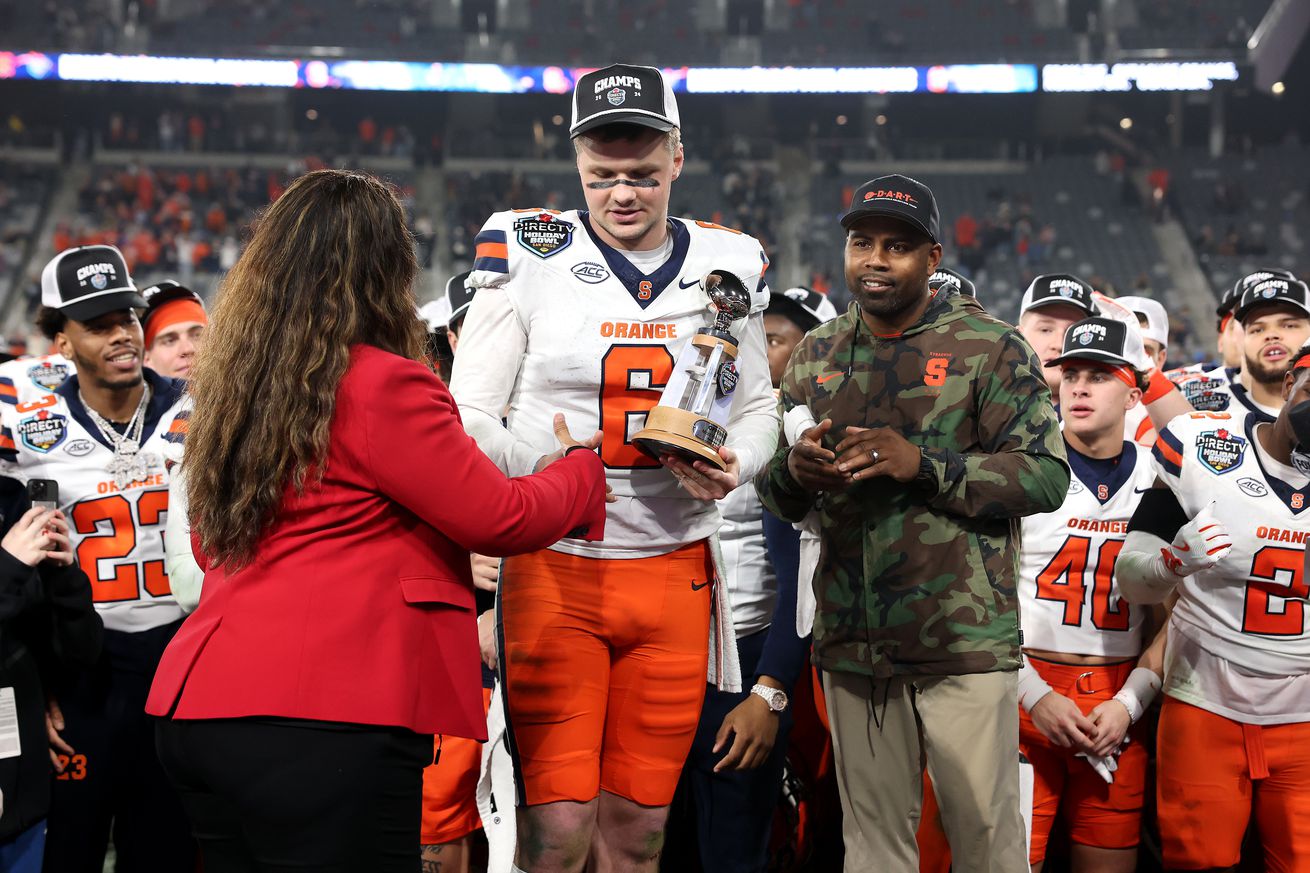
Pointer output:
x,y
109,487
638,330
1097,526
1278,535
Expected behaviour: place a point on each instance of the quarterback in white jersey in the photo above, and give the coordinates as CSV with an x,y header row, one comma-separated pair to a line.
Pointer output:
x,y
577,322
1237,679
1082,684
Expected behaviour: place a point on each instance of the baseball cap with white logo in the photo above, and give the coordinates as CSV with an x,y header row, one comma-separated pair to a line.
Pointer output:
x,y
896,196
623,93
1157,320
944,278
1103,340
1272,291
805,306
85,282
1055,288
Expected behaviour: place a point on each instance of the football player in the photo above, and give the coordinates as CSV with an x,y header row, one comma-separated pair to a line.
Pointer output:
x,y
174,327
1085,679
1050,305
1225,530
604,646
102,436
1214,388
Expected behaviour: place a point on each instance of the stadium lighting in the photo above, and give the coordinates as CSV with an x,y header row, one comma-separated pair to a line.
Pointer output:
x,y
880,120
1143,76
841,120
1126,123
1278,88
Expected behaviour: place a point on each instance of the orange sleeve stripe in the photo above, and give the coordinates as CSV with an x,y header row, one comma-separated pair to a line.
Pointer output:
x,y
179,425
1169,453
8,390
491,250
7,442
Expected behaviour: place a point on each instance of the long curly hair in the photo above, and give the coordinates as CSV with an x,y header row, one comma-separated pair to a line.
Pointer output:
x,y
330,264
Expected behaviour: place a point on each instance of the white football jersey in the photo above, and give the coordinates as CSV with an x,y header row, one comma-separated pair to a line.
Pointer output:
x,y
1069,600
750,575
1250,608
564,323
1218,389
117,534
1138,427
26,379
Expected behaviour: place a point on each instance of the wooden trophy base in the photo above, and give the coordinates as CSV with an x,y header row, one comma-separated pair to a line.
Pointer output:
x,y
668,431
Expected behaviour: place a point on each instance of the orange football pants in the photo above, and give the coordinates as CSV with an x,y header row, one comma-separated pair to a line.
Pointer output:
x,y
604,666
450,808
1213,773
1097,814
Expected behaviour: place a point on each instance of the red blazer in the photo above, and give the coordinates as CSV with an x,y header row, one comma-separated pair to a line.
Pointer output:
x,y
358,605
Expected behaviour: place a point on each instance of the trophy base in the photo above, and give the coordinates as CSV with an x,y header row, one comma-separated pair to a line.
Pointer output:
x,y
669,431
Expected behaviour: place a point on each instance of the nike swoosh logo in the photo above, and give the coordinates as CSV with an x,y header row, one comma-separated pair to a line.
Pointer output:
x,y
695,587
1142,490
682,284
819,380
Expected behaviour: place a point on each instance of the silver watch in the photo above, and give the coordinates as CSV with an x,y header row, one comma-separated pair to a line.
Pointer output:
x,y
776,698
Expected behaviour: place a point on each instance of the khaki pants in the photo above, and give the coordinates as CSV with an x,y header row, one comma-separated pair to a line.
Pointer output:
x,y
967,728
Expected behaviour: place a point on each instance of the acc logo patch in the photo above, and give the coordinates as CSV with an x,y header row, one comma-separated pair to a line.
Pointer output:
x,y
1220,450
48,377
544,234
78,448
1206,395
1253,487
1075,487
590,272
43,431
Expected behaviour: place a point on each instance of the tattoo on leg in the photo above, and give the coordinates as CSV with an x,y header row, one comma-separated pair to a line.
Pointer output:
x,y
430,863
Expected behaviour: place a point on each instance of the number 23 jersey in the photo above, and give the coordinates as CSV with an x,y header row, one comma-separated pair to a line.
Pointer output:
x,y
1249,609
562,322
117,533
1069,601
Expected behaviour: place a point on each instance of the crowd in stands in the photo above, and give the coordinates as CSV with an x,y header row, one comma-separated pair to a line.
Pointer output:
x,y
22,193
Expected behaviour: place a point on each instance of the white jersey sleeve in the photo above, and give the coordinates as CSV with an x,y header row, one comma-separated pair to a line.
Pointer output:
x,y
1069,601
564,323
1250,608
26,379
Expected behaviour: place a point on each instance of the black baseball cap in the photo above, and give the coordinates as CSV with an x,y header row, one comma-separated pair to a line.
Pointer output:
x,y
166,292
1104,340
1233,296
1053,288
1273,290
623,93
459,295
945,278
896,196
85,282
805,306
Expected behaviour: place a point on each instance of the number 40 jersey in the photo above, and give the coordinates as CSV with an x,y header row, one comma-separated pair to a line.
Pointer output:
x,y
117,533
562,322
1069,601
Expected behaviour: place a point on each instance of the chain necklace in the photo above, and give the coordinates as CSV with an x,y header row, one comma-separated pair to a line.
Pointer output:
x,y
129,464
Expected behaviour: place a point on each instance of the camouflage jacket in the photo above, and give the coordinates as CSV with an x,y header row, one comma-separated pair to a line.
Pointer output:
x,y
919,578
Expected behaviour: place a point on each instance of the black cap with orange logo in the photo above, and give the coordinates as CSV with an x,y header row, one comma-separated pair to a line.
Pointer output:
x,y
896,196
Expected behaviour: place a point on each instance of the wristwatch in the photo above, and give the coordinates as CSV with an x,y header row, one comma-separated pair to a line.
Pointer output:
x,y
776,698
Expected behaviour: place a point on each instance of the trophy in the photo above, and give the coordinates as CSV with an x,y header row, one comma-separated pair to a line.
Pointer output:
x,y
689,421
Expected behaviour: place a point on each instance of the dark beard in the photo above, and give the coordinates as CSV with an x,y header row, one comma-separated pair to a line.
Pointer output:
x,y
1267,376
88,371
886,306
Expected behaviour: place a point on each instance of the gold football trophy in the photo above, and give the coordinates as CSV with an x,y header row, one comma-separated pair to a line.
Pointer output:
x,y
690,420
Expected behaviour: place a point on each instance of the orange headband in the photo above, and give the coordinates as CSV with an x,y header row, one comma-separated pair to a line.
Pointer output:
x,y
1121,372
1302,363
171,313
1223,322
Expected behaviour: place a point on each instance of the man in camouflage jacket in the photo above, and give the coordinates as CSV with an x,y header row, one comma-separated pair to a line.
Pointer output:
x,y
935,435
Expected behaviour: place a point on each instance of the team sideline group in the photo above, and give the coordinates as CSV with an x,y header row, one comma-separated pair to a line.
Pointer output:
x,y
944,567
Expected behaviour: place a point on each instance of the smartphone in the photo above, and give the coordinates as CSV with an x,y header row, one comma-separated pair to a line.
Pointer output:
x,y
43,493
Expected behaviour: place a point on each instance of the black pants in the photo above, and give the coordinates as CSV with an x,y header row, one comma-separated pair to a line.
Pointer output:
x,y
733,810
115,776
265,794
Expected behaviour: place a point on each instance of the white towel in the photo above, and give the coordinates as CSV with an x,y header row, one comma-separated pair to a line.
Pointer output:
x,y
724,669
495,791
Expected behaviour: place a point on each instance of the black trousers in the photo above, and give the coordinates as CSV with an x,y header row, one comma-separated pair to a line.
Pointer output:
x,y
274,794
115,778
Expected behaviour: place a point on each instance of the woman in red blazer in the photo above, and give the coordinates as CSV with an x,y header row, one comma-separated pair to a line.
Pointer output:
x,y
335,498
